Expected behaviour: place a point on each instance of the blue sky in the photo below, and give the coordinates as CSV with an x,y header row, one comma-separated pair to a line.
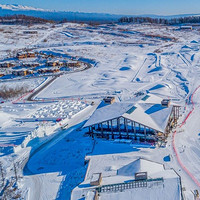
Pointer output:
x,y
160,7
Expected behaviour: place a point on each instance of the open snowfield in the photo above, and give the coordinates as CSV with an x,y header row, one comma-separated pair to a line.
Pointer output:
x,y
128,62
126,59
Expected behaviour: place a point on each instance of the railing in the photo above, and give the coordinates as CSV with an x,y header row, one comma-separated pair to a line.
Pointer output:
x,y
128,185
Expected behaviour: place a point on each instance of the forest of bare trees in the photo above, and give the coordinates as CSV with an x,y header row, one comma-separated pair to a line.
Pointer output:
x,y
173,21
22,19
8,92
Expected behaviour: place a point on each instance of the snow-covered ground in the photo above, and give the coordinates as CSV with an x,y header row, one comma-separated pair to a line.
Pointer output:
x,y
126,59
19,120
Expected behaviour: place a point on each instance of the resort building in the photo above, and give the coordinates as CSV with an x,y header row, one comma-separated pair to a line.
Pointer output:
x,y
149,119
73,64
139,179
22,72
23,55
6,64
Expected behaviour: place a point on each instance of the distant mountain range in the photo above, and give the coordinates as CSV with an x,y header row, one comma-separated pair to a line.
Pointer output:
x,y
14,9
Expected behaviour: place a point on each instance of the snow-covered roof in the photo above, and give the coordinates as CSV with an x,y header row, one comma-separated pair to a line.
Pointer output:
x,y
153,99
150,98
156,192
95,177
108,112
147,113
90,195
154,116
19,70
168,187
30,63
140,165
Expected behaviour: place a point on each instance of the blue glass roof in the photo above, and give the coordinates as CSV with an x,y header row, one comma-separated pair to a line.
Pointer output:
x,y
131,110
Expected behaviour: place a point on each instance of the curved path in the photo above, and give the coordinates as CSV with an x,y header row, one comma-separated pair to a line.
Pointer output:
x,y
174,145
47,83
33,94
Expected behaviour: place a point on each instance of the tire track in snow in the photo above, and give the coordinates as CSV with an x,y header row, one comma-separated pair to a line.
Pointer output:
x,y
139,70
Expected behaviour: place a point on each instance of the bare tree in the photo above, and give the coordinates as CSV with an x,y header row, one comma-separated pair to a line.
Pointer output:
x,y
2,174
15,172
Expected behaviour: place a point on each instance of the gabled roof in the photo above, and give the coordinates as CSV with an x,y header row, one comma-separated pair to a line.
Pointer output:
x,y
108,112
153,99
169,188
140,165
154,116
150,98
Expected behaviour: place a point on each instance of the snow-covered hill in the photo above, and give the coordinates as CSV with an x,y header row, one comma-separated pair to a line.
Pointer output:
x,y
16,7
